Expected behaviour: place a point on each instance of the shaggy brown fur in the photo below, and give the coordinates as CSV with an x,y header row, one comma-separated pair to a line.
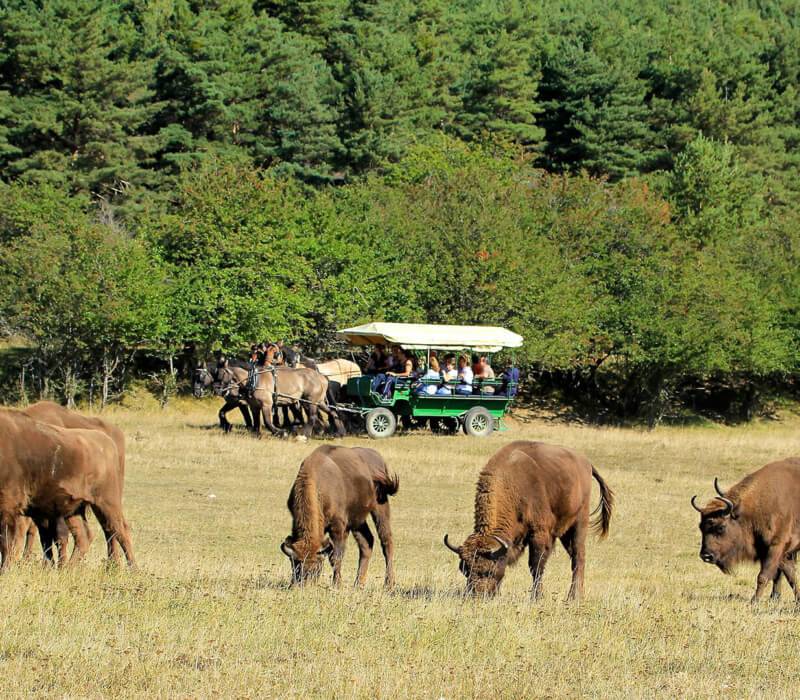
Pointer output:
x,y
50,472
334,492
756,520
529,494
58,532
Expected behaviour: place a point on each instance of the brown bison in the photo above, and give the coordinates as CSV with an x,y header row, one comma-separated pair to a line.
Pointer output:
x,y
529,494
56,531
757,520
47,472
334,492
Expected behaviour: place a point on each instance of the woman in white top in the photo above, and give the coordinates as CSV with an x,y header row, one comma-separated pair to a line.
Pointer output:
x,y
431,379
464,385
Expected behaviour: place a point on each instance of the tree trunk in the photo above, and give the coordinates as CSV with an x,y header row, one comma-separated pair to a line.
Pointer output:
x,y
70,386
110,364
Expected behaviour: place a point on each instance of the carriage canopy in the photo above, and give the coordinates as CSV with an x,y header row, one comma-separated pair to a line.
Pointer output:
x,y
418,336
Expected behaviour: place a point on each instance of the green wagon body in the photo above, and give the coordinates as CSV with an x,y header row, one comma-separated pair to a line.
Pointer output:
x,y
479,413
406,402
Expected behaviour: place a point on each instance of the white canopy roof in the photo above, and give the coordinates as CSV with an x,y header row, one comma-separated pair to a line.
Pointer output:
x,y
421,335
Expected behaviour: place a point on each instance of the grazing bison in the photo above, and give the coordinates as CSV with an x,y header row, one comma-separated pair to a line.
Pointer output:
x,y
56,530
529,494
47,472
757,520
334,492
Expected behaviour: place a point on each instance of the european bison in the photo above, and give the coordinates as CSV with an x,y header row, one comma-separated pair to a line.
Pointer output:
x,y
55,414
757,520
335,489
529,494
50,472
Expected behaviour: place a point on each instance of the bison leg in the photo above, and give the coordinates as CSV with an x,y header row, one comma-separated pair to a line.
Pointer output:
x,y
776,586
769,569
382,517
339,540
365,540
47,539
538,554
77,525
115,528
9,535
574,541
30,538
788,569
59,534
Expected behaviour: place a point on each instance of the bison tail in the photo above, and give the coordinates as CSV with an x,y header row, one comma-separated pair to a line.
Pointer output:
x,y
605,506
386,485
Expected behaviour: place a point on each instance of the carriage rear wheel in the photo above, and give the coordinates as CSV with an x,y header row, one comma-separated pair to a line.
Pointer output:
x,y
478,422
381,423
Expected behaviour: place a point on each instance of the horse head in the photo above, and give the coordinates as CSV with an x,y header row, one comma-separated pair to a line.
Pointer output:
x,y
204,376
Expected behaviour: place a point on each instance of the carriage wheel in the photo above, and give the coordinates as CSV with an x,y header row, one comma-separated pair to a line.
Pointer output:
x,y
381,423
478,422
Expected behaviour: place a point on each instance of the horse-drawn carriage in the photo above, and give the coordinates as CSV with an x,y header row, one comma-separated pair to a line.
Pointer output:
x,y
478,410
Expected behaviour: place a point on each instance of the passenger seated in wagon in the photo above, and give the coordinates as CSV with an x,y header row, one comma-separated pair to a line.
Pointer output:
x,y
465,377
403,367
481,371
510,379
449,376
431,380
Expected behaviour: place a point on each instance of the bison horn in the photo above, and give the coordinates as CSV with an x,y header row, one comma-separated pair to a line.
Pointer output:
x,y
728,503
695,506
717,488
451,547
286,548
501,550
327,548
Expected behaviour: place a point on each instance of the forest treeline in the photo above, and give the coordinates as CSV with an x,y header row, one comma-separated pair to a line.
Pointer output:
x,y
617,181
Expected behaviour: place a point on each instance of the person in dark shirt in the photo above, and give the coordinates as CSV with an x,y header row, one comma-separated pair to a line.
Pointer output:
x,y
510,379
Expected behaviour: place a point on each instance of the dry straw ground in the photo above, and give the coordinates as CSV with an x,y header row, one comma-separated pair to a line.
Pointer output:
x,y
209,613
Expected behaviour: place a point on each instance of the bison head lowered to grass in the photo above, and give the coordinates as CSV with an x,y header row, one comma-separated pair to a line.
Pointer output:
x,y
334,492
528,495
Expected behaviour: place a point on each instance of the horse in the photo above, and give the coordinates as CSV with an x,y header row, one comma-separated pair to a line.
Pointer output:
x,y
283,386
208,376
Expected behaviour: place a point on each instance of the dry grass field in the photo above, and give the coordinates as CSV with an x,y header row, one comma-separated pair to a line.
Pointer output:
x,y
210,614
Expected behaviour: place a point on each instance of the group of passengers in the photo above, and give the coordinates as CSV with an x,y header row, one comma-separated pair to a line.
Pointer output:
x,y
451,375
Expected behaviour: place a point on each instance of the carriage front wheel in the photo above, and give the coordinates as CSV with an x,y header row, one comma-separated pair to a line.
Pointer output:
x,y
478,422
381,423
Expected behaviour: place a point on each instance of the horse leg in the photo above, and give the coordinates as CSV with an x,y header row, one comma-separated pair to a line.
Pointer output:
x,y
256,410
266,414
308,428
245,409
224,423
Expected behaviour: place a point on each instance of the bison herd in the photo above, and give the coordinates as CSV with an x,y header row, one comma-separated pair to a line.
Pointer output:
x,y
55,464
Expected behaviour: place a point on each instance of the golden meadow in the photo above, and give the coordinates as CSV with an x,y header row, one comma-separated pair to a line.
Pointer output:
x,y
210,613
